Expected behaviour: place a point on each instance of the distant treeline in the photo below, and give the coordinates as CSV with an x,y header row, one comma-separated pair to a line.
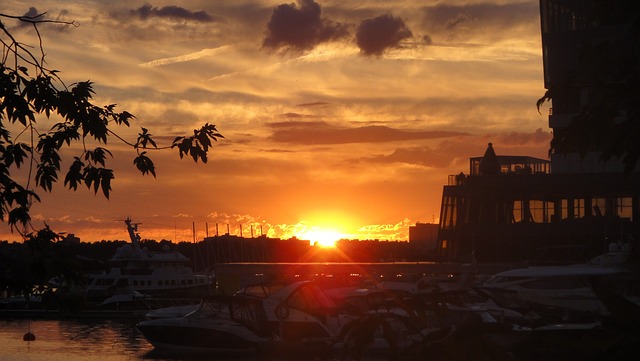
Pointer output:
x,y
225,249
220,249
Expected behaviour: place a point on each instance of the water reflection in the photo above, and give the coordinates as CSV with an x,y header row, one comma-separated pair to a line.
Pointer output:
x,y
101,340
71,340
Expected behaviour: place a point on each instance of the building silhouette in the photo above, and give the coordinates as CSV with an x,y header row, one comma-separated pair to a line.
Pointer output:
x,y
574,205
424,238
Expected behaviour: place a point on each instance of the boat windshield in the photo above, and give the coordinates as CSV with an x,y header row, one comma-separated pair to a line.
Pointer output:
x,y
309,297
245,310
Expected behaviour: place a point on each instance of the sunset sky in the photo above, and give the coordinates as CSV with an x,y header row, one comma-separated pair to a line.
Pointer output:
x,y
338,116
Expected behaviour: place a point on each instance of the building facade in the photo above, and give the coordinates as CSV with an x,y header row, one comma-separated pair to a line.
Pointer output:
x,y
585,197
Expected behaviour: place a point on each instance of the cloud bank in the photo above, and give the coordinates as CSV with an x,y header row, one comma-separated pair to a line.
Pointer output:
x,y
376,35
301,27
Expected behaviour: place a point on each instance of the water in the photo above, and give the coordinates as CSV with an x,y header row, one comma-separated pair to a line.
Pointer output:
x,y
99,340
119,340
72,340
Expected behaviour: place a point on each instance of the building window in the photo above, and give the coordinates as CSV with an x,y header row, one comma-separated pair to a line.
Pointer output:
x,y
572,208
517,211
578,208
598,207
449,212
623,207
549,211
539,211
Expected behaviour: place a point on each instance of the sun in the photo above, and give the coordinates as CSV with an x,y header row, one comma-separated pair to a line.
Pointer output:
x,y
324,227
322,237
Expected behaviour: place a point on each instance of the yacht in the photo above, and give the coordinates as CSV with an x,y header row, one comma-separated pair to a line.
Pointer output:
x,y
563,288
295,314
164,273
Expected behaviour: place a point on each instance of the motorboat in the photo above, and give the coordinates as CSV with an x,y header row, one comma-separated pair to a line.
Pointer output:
x,y
123,297
567,289
296,315
171,311
259,290
160,273
300,316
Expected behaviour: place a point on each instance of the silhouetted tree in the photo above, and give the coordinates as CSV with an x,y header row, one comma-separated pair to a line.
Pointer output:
x,y
29,90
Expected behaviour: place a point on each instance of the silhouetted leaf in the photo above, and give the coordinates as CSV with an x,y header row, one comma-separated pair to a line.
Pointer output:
x,y
197,146
95,125
98,178
106,175
144,138
83,90
98,155
123,118
546,97
74,175
15,153
144,164
19,215
46,175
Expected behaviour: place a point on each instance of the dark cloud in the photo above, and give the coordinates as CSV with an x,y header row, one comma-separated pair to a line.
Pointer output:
x,y
295,124
539,137
173,12
376,35
323,133
314,104
301,28
451,22
31,14
415,155
35,15
458,21
296,115
456,151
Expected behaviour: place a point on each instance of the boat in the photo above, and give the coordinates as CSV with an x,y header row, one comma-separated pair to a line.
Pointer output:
x,y
124,297
171,311
259,290
301,317
567,290
163,273
295,315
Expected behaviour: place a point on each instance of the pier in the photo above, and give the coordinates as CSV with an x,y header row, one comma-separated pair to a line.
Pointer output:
x,y
232,276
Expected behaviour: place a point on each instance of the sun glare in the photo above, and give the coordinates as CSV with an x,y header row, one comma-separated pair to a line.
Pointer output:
x,y
324,227
322,237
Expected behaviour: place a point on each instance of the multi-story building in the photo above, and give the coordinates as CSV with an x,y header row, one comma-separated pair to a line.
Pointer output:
x,y
424,237
575,205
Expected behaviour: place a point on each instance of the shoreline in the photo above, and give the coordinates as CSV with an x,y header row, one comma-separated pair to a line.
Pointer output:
x,y
8,314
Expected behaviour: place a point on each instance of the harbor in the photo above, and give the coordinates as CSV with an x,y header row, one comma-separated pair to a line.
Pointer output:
x,y
344,310
535,254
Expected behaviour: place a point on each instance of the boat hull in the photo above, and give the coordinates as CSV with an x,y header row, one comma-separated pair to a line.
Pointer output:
x,y
225,337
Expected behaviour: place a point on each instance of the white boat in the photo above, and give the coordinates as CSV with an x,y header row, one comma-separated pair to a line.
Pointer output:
x,y
296,314
149,273
171,311
127,297
261,290
564,288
